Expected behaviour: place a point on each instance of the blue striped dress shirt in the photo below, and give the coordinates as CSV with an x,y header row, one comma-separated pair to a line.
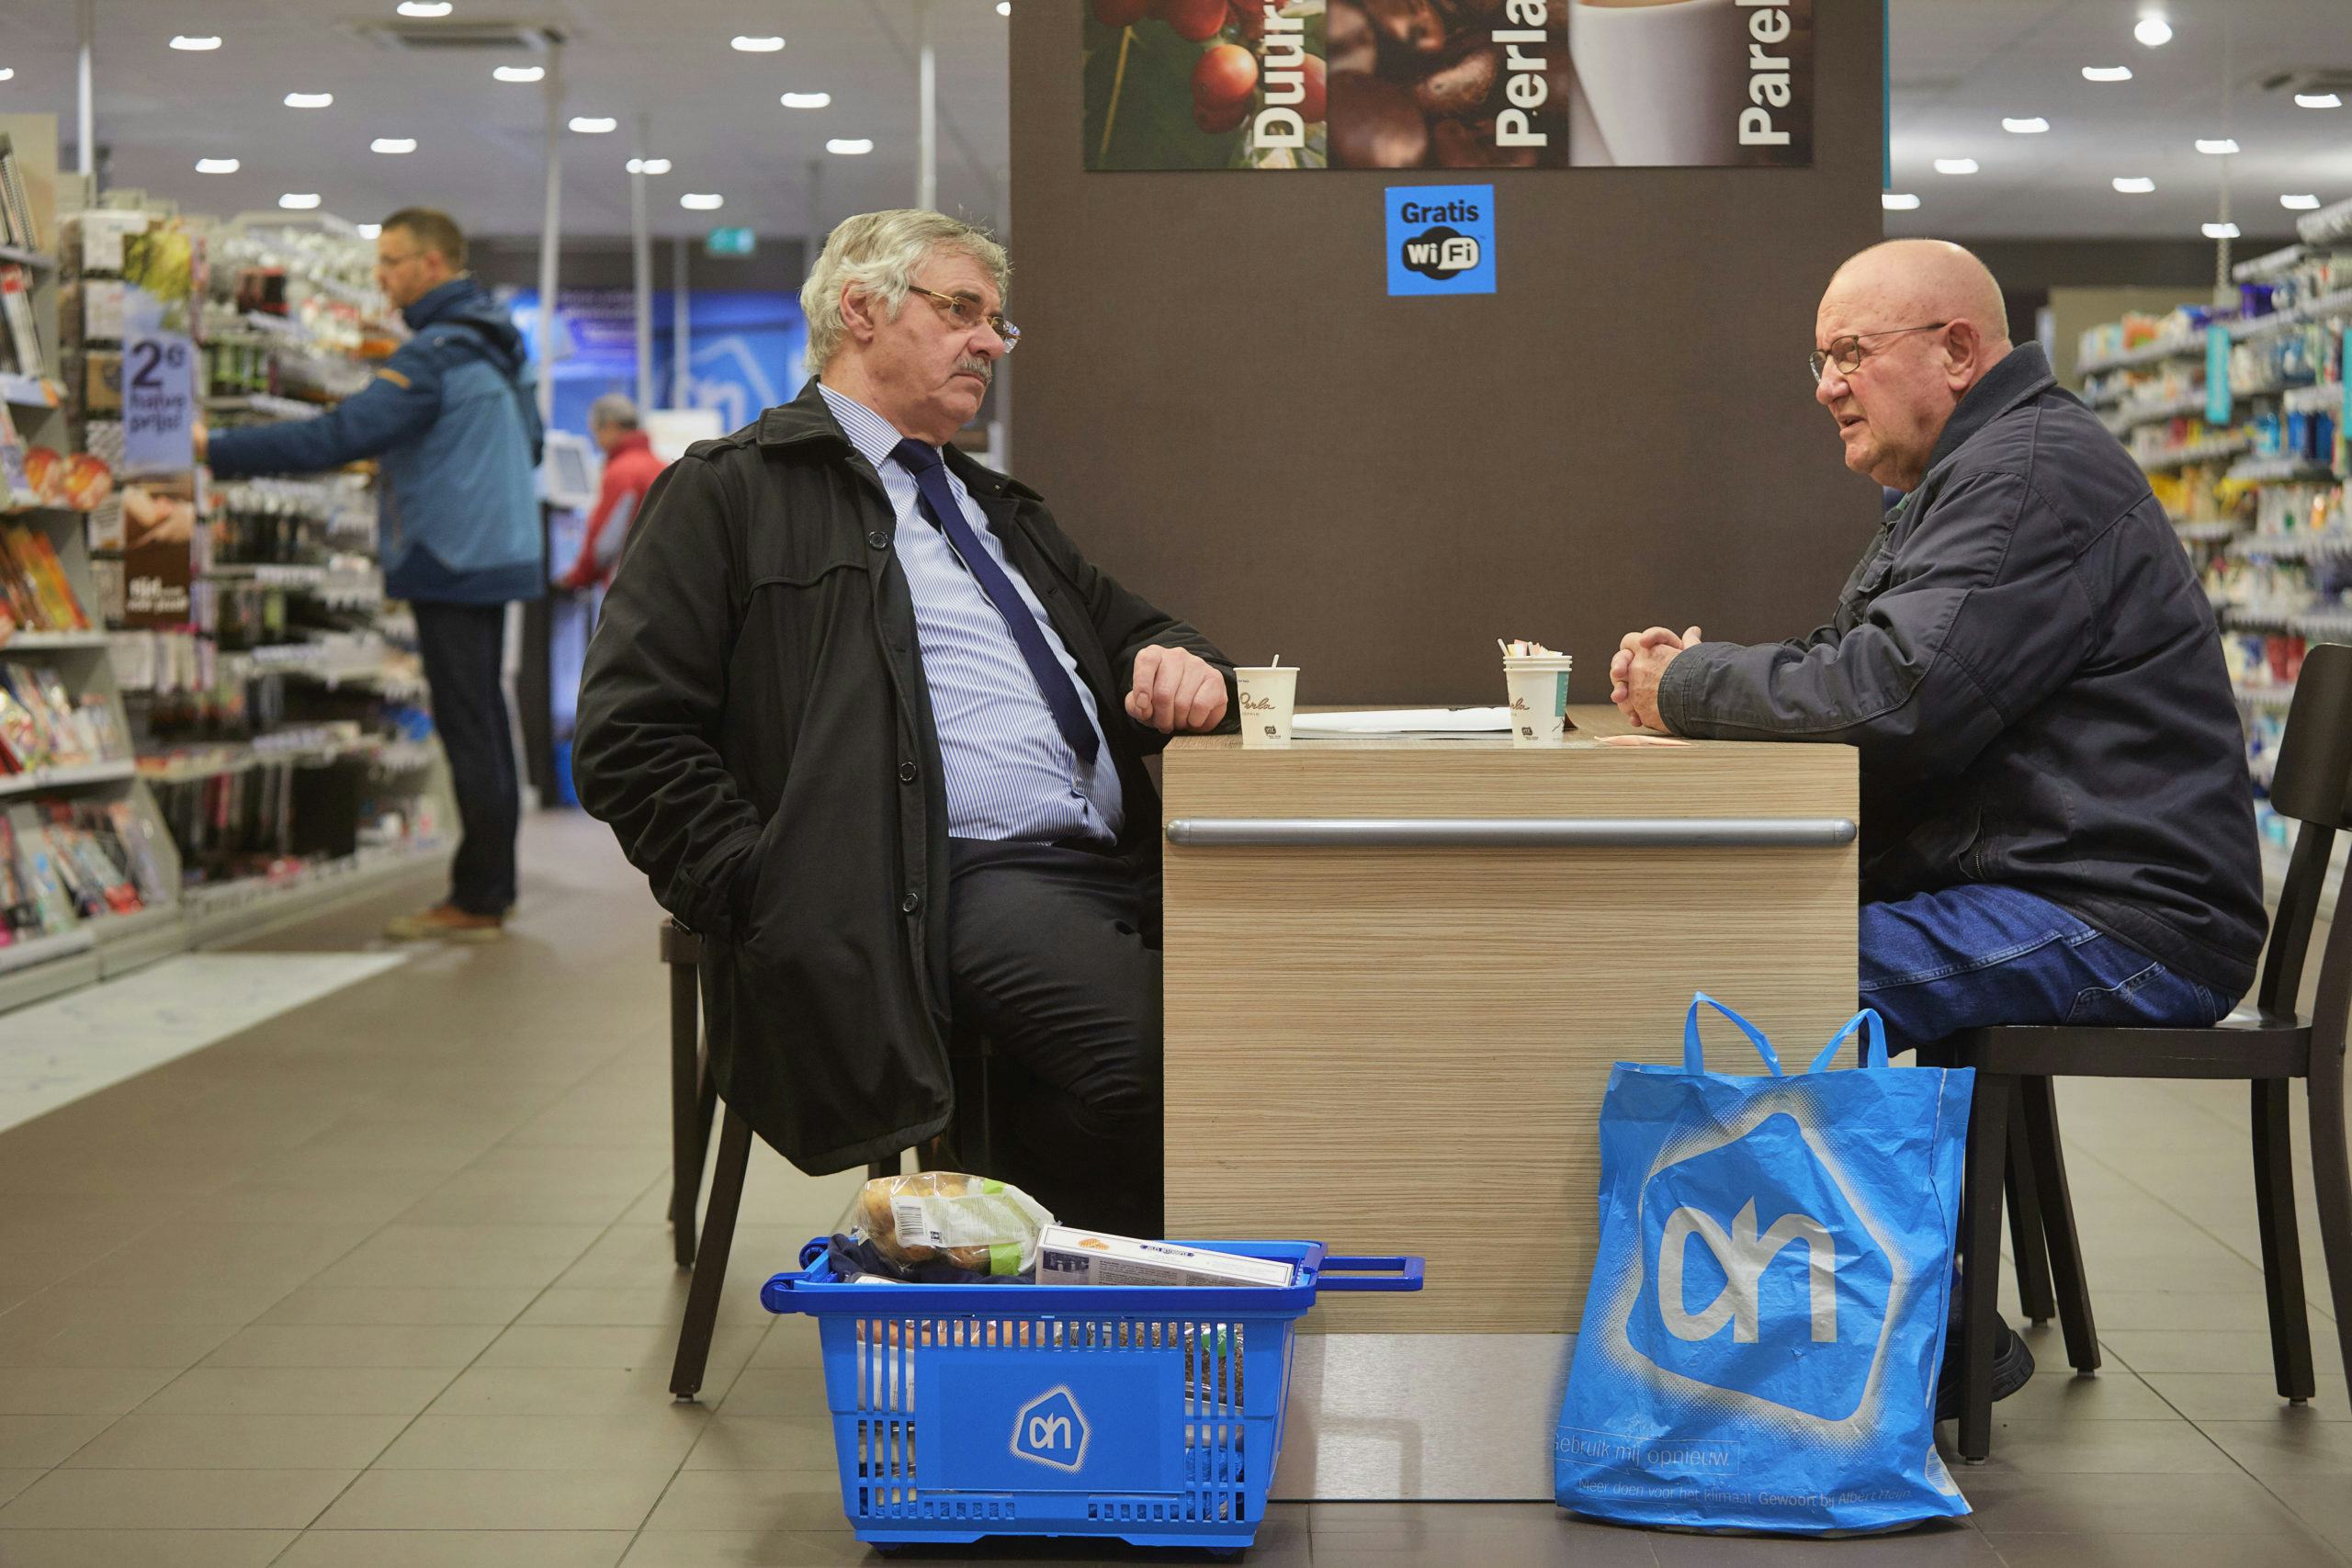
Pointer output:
x,y
1010,774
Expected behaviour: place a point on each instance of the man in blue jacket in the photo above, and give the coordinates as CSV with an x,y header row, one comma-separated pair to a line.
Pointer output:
x,y
451,418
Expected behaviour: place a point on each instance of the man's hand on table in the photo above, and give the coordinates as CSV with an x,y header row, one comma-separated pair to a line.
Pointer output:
x,y
1635,672
1175,688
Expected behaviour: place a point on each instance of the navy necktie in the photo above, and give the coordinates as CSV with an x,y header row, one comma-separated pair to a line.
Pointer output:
x,y
1054,682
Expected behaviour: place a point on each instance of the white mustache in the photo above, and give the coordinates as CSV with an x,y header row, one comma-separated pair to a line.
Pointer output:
x,y
978,367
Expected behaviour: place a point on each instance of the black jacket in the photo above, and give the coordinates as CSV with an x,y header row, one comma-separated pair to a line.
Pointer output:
x,y
2034,679
754,725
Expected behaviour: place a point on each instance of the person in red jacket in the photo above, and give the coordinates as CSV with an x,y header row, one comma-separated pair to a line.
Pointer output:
x,y
630,467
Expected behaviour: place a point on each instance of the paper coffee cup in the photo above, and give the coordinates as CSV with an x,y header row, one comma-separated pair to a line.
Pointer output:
x,y
1269,699
1666,79
1538,689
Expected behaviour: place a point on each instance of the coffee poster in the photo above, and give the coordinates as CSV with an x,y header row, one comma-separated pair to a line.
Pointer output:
x,y
1447,84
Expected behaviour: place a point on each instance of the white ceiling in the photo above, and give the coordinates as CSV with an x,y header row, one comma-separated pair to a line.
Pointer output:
x,y
1961,65
714,110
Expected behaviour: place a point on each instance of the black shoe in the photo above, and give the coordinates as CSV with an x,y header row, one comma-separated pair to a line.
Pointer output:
x,y
2012,1364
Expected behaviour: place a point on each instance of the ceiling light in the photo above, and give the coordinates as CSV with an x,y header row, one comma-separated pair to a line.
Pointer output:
x,y
594,125
2033,125
702,201
2318,101
751,45
2135,185
2217,146
648,165
1899,201
8,72
216,165
519,73
2153,31
309,100
1955,165
369,231
2300,203
392,145
1005,7
299,200
193,44
2220,230
850,145
2107,73
807,100
426,8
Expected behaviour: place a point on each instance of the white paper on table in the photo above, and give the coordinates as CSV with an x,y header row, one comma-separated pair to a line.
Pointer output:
x,y
1461,722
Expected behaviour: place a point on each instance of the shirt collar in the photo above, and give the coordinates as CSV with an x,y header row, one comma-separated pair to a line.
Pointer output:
x,y
2023,374
873,436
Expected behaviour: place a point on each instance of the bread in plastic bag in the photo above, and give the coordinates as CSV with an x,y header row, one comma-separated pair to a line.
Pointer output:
x,y
943,1216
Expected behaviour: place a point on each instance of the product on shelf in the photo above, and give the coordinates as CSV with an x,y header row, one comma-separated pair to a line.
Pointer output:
x,y
20,349
34,591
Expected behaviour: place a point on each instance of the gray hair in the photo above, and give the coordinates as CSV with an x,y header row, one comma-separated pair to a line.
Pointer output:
x,y
612,409
878,252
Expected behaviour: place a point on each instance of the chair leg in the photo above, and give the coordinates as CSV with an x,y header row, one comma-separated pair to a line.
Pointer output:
x,y
1980,1259
2039,1097
2026,1244
2282,1251
710,1268
689,1126
2332,1183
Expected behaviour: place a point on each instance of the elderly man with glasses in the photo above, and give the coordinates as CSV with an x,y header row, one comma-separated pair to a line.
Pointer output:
x,y
876,729
2057,822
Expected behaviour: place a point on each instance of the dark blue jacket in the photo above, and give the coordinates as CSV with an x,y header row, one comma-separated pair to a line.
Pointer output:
x,y
452,418
2033,676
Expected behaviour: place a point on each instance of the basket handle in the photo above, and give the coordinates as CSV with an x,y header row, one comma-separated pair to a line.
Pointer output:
x,y
1374,1274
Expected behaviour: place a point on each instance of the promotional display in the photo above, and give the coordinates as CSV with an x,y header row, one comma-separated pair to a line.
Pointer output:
x,y
1447,84
1766,1319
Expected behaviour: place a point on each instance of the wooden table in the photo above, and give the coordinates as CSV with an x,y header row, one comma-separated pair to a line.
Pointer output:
x,y
1397,972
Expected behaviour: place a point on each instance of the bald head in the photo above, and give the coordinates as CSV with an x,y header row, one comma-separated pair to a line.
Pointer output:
x,y
1905,330
1925,280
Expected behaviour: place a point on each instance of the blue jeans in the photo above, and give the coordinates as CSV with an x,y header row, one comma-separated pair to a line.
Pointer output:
x,y
1983,953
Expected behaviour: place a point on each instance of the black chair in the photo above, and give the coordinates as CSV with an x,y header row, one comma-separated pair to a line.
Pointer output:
x,y
968,1145
2267,1045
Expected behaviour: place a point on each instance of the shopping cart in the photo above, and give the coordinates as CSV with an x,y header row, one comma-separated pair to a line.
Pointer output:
x,y
1154,1415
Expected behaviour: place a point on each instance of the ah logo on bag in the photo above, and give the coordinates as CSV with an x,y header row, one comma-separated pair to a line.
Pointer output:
x,y
1052,1430
1793,1313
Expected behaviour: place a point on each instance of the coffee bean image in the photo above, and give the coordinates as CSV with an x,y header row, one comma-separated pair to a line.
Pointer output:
x,y
1407,27
1349,44
1481,105
1375,124
1464,81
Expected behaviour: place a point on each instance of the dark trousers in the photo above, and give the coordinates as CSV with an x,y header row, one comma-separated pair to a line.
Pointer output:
x,y
461,644
1054,954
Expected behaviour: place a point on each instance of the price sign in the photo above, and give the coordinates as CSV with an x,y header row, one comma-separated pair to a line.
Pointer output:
x,y
158,393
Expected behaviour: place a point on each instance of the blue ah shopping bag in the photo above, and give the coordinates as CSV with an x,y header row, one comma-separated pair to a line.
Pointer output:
x,y
1766,1319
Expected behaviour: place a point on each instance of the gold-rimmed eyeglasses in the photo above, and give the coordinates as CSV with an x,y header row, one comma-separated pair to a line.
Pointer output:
x,y
964,310
1846,353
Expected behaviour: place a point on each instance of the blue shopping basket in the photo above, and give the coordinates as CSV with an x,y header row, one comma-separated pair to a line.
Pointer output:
x,y
1154,1415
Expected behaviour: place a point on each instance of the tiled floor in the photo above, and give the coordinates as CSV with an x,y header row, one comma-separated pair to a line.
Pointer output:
x,y
383,1282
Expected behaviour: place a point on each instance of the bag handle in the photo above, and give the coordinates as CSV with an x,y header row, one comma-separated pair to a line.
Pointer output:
x,y
1370,1274
1694,1056
1875,1041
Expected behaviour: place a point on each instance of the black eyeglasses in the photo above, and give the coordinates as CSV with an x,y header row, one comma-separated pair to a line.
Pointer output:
x,y
1848,352
964,311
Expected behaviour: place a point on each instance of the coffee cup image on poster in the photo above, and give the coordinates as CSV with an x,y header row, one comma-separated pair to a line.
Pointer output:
x,y
1448,83
1205,85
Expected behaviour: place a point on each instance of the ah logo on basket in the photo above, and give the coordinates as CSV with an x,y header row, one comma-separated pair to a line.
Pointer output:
x,y
1052,1430
1793,1312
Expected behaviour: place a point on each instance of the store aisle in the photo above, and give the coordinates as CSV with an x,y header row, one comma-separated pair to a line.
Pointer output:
x,y
382,1281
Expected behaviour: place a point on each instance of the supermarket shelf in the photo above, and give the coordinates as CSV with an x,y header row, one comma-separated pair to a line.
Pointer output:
x,y
37,260
2278,471
2131,416
2273,698
264,403
2325,397
42,642
230,911
42,780
32,391
393,756
2267,389
268,574
134,941
47,967
2146,353
2323,625
2205,530
2337,304
2196,452
2295,546
2271,264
